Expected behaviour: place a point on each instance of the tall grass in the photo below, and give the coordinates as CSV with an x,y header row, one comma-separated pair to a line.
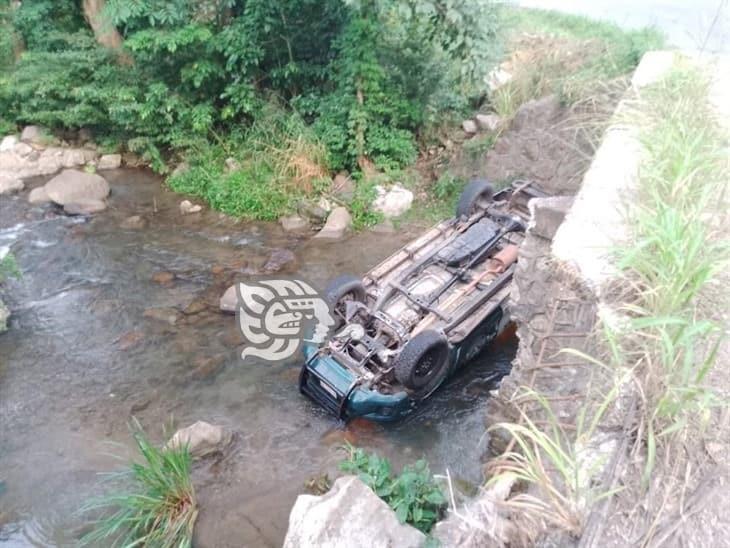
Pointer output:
x,y
679,246
156,504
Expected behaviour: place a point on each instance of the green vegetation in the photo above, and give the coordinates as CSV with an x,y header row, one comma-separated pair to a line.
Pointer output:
x,y
158,507
193,79
8,267
413,494
665,348
678,249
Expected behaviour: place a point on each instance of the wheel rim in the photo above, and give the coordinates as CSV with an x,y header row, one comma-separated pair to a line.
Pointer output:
x,y
426,367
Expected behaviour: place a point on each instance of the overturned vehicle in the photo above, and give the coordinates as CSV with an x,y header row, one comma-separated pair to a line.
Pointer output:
x,y
421,314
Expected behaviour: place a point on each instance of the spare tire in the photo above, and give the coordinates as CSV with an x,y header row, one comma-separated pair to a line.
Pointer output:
x,y
423,363
476,191
340,290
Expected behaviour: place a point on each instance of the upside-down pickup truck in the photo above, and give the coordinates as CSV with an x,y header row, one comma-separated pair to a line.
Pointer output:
x,y
422,313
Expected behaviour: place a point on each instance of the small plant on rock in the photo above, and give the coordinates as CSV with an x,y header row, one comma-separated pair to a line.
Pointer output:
x,y
413,494
157,506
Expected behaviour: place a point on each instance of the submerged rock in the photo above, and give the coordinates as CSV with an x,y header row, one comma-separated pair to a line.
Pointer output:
x,y
73,186
294,223
337,224
279,259
163,277
84,207
202,439
134,222
350,514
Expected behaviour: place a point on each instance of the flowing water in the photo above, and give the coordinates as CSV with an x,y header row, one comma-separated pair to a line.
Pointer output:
x,y
92,343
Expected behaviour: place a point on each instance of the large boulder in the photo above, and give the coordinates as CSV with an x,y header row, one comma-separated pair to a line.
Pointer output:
x,y
337,224
38,196
392,202
351,515
72,186
201,438
32,134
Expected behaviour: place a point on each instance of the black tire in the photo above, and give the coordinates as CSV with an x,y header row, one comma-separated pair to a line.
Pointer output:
x,y
423,363
476,191
340,290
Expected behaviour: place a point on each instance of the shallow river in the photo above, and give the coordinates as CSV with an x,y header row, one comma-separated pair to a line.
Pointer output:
x,y
91,344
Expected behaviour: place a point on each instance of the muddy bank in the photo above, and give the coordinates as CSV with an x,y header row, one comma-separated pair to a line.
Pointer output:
x,y
115,318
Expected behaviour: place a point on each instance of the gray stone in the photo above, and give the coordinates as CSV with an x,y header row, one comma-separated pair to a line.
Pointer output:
x,y
8,143
311,211
109,161
279,259
349,514
229,300
337,224
74,157
489,122
201,439
392,202
84,207
547,214
9,184
469,126
71,186
38,196
32,134
23,150
294,223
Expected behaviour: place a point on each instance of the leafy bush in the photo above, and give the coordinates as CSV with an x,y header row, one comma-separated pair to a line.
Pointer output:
x,y
159,509
413,494
8,266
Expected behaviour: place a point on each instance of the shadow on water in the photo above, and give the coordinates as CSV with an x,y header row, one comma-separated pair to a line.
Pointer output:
x,y
100,335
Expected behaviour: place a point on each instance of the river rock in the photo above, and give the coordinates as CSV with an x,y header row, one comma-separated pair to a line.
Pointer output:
x,y
311,211
38,196
24,150
337,224
8,143
135,222
163,277
187,207
393,202
10,184
32,134
469,126
163,314
488,122
109,161
130,159
232,165
294,223
84,207
350,514
74,157
75,186
229,300
201,438
279,259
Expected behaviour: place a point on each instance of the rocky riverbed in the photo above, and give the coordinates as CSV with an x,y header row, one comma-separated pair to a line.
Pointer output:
x,y
117,315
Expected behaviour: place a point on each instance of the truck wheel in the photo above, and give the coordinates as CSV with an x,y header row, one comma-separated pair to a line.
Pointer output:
x,y
341,290
475,192
423,363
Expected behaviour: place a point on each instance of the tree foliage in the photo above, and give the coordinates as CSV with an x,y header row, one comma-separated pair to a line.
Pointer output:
x,y
362,73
